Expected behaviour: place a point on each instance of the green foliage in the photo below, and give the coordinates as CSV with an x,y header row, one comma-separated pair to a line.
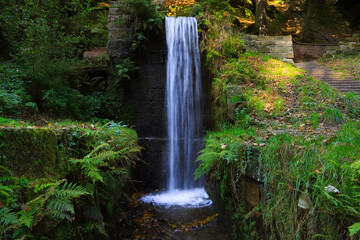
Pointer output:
x,y
125,68
333,116
13,95
239,71
242,118
233,47
55,202
64,101
47,41
353,229
84,203
289,166
151,19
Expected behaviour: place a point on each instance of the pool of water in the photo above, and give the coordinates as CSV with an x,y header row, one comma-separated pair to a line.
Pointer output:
x,y
191,211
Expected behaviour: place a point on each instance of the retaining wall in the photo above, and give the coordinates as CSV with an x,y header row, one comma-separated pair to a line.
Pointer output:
x,y
277,46
350,45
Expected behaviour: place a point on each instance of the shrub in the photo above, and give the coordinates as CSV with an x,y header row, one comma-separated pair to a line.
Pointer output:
x,y
13,95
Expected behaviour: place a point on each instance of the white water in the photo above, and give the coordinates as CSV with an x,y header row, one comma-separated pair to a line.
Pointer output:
x,y
183,87
192,198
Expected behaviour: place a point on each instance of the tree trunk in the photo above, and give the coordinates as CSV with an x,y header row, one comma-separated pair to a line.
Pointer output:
x,y
260,16
312,6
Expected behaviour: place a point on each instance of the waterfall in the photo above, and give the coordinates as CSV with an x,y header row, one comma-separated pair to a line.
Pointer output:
x,y
183,86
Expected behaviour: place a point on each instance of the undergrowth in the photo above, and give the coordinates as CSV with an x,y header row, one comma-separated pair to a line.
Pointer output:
x,y
86,200
293,169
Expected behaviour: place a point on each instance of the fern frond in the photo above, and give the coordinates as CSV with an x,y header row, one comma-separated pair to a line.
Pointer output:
x,y
7,217
101,146
70,190
6,189
4,179
60,215
61,205
27,218
43,186
92,171
101,157
120,171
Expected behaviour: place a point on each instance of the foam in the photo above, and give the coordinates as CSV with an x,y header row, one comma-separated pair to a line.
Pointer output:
x,y
191,198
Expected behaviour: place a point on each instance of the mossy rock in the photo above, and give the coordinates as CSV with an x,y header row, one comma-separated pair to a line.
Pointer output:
x,y
29,152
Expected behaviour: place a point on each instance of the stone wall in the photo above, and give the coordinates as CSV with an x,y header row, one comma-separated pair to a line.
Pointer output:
x,y
277,46
350,45
121,25
310,51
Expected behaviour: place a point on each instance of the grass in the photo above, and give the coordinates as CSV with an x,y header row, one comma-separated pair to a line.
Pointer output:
x,y
290,166
346,64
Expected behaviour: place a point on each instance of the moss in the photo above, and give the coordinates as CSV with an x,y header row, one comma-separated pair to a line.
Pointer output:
x,y
28,151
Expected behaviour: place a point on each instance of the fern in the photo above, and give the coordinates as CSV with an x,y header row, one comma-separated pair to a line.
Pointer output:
x,y
70,190
43,186
353,229
120,171
27,218
7,216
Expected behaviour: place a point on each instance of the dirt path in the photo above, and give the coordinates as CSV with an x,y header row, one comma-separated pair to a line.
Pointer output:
x,y
344,83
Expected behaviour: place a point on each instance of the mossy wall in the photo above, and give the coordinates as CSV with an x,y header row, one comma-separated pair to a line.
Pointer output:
x,y
29,151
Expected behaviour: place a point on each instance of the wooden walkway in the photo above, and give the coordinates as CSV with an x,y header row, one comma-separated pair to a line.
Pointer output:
x,y
344,83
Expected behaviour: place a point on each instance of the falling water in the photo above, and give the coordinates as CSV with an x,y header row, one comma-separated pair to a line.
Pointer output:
x,y
183,86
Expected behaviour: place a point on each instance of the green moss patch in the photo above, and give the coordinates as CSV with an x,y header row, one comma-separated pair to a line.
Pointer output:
x,y
28,151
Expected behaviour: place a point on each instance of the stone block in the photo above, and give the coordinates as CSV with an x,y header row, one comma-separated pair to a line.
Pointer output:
x,y
158,2
283,49
114,11
114,34
271,42
328,55
284,43
289,55
334,48
344,48
288,60
233,91
354,45
119,47
113,18
288,38
263,37
278,55
264,49
250,191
